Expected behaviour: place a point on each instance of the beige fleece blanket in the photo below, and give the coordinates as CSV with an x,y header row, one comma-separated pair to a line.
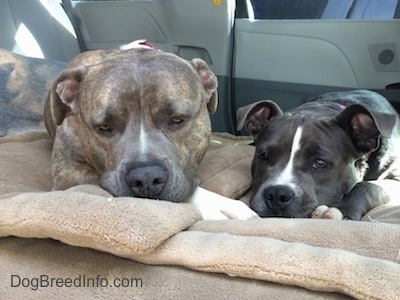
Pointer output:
x,y
357,259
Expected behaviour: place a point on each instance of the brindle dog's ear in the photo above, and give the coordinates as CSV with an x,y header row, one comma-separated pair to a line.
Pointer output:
x,y
254,116
365,126
209,81
64,93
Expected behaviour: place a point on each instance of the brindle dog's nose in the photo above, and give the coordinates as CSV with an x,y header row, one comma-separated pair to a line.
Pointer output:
x,y
278,196
147,180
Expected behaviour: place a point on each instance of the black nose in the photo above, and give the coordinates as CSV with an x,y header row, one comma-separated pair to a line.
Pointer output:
x,y
278,195
147,180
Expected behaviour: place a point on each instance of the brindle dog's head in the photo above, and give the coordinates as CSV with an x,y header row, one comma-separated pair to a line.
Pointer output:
x,y
136,122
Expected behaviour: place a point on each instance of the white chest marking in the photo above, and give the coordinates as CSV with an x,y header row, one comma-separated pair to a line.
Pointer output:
x,y
286,177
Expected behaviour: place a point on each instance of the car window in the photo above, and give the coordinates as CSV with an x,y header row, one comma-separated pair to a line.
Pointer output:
x,y
322,9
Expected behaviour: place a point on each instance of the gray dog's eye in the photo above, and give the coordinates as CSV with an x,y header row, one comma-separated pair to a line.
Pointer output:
x,y
320,164
263,156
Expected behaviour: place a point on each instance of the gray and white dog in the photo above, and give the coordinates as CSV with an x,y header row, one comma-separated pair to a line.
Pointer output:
x,y
336,156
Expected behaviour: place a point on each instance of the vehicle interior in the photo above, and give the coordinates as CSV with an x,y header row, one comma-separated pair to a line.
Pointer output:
x,y
85,243
258,49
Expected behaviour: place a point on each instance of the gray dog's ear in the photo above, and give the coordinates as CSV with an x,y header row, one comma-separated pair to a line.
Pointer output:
x,y
64,93
365,126
254,116
209,81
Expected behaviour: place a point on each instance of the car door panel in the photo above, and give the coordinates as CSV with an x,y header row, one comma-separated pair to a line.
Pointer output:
x,y
109,24
297,59
288,60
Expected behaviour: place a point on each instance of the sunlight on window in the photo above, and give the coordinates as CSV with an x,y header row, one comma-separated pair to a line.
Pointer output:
x,y
56,11
250,10
231,10
27,42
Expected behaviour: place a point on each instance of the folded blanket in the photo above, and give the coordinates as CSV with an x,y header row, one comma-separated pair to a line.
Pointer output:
x,y
358,259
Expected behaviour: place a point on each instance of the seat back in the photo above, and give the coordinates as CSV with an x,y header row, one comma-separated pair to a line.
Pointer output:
x,y
37,28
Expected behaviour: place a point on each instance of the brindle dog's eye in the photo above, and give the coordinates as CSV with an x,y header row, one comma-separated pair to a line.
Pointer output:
x,y
175,122
104,129
320,164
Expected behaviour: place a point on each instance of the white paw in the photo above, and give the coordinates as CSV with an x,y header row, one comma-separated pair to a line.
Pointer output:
x,y
325,212
213,206
235,209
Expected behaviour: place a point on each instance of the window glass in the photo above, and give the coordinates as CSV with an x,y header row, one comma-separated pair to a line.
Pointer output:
x,y
288,9
322,9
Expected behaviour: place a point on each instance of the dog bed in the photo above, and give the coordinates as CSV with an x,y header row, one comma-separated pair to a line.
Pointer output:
x,y
83,243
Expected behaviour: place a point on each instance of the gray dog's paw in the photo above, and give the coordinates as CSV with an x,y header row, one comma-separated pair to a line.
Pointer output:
x,y
325,212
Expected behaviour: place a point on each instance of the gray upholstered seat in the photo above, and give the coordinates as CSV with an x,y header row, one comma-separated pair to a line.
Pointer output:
x,y
38,29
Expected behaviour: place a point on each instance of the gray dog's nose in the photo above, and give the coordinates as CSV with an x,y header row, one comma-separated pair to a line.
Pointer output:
x,y
278,195
147,180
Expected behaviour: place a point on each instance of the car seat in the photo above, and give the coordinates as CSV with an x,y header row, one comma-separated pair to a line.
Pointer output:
x,y
37,28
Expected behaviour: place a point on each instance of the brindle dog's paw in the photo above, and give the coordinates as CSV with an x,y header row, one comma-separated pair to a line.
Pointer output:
x,y
325,212
213,206
226,209
236,209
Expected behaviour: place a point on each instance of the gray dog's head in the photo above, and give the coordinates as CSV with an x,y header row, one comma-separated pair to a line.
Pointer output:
x,y
139,120
305,159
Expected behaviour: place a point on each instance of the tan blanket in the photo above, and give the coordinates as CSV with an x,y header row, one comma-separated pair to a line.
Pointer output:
x,y
357,259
